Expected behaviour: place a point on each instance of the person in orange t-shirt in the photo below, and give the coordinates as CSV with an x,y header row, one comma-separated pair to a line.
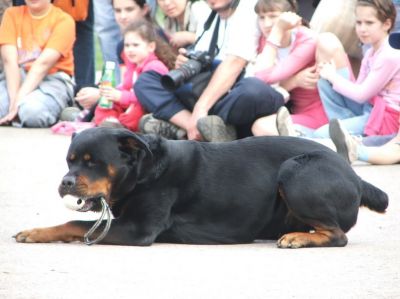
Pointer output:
x,y
36,42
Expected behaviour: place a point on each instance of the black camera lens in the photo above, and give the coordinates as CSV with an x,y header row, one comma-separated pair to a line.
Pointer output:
x,y
197,62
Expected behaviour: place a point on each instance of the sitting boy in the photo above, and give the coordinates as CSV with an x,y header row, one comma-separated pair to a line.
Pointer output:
x,y
36,42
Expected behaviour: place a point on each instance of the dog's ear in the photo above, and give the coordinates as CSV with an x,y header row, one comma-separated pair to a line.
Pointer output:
x,y
129,142
137,153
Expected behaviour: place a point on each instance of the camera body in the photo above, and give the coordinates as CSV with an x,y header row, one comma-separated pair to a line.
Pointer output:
x,y
198,61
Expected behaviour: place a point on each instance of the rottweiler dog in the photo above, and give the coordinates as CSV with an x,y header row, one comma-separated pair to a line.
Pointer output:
x,y
288,189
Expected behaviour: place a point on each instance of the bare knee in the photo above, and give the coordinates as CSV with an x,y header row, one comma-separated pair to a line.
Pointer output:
x,y
329,47
265,126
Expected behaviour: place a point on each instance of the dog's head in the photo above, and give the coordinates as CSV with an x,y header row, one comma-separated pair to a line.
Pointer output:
x,y
103,162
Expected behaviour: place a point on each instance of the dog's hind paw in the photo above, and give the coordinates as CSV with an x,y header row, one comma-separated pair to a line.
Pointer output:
x,y
321,238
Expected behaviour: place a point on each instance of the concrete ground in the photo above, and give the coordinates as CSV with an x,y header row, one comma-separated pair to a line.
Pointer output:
x,y
32,164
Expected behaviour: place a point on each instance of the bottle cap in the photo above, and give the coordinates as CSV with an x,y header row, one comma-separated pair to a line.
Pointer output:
x,y
110,65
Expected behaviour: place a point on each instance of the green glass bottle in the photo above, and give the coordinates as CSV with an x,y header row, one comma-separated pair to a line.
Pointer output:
x,y
107,79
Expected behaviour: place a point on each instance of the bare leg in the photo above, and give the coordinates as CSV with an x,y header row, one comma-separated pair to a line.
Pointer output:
x,y
330,48
265,126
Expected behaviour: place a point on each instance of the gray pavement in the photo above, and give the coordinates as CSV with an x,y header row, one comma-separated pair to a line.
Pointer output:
x,y
32,164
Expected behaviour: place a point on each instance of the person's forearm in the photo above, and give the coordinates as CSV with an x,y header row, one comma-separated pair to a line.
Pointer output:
x,y
13,81
289,84
12,73
39,69
221,82
33,78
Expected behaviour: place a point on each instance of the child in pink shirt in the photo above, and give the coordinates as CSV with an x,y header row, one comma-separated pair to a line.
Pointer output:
x,y
141,46
288,58
371,104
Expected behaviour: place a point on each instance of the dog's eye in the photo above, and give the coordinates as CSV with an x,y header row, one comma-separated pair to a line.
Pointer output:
x,y
90,163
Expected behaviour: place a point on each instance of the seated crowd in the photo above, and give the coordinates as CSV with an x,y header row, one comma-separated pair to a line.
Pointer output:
x,y
217,71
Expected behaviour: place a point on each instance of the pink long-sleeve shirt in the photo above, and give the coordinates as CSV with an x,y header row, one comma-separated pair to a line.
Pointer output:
x,y
379,76
307,107
133,71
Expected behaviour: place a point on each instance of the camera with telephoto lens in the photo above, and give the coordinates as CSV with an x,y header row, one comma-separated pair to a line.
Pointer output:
x,y
198,61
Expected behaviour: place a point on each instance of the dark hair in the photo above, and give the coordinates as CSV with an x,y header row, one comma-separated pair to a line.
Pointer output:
x,y
385,10
141,3
148,32
274,5
278,5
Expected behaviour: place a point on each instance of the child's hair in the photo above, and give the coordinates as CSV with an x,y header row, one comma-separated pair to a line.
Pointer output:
x,y
263,6
148,32
385,9
140,3
275,5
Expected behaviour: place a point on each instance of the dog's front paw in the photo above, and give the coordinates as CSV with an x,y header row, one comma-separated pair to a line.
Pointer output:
x,y
36,235
293,240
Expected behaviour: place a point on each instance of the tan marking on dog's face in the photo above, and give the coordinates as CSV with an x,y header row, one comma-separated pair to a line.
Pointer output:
x,y
93,188
111,171
87,157
72,157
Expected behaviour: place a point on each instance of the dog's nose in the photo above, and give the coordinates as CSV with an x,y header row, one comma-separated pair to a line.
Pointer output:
x,y
68,181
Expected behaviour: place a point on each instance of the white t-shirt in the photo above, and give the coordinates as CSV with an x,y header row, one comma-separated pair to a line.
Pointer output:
x,y
238,35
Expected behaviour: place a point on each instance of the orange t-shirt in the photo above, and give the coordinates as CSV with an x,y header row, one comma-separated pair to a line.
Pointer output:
x,y
31,36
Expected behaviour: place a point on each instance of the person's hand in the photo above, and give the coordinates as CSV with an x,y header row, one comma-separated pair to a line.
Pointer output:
x,y
10,116
87,97
192,131
288,20
307,78
327,70
181,39
181,58
110,93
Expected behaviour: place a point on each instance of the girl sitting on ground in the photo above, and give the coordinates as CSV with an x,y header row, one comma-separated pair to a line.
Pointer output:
x,y
288,58
143,51
371,105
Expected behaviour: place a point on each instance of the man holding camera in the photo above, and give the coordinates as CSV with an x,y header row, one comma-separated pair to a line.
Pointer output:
x,y
228,98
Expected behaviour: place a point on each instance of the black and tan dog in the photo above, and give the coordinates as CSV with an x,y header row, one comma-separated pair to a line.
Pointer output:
x,y
190,192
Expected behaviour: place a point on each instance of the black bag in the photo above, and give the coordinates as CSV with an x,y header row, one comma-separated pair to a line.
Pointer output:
x,y
189,93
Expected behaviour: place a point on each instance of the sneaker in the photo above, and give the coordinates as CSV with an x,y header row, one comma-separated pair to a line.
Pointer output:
x,y
346,145
284,123
151,125
111,122
70,114
214,129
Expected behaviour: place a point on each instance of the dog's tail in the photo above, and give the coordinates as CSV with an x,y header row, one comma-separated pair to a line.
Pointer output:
x,y
373,198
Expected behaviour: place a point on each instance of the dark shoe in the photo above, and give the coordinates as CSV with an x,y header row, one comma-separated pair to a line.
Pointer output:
x,y
70,114
150,125
111,122
346,145
284,123
213,129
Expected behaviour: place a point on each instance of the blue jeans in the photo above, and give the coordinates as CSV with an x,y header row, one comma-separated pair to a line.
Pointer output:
x,y
353,116
84,51
108,32
41,107
377,140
